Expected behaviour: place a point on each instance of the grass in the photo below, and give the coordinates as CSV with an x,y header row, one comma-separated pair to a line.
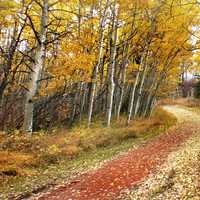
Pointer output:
x,y
188,102
28,164
191,104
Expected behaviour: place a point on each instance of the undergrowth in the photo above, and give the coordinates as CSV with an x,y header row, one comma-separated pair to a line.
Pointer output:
x,y
188,102
30,162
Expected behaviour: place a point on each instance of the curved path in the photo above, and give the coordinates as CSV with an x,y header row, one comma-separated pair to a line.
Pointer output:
x,y
107,182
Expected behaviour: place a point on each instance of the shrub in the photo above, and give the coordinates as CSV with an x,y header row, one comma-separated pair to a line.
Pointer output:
x,y
71,151
46,149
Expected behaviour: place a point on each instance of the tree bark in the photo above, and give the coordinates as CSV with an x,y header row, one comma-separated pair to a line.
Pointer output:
x,y
123,81
37,70
133,92
99,61
137,105
111,66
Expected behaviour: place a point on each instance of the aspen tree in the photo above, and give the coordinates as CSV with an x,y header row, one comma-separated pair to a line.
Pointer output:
x,y
37,69
99,60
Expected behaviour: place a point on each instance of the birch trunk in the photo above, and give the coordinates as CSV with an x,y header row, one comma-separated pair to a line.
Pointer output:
x,y
75,102
111,68
147,103
83,98
96,69
37,70
132,97
130,107
123,83
140,90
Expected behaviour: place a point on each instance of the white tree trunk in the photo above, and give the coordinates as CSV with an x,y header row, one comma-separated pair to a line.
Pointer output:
x,y
130,107
132,98
111,68
96,69
37,70
147,103
137,105
123,82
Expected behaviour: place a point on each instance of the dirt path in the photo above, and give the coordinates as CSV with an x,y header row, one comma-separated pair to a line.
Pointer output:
x,y
127,170
183,114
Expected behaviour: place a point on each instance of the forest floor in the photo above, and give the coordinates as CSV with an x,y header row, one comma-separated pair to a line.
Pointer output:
x,y
166,167
178,178
31,165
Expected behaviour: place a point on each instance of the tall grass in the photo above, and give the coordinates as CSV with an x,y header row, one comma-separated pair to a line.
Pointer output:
x,y
19,152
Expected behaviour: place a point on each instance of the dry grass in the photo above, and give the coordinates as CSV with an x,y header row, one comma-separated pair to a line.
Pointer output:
x,y
22,155
188,102
14,163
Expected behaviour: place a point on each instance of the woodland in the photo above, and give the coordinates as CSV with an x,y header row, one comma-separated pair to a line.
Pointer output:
x,y
82,75
63,61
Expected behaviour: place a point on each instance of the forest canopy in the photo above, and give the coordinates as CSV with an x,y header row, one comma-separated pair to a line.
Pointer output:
x,y
62,60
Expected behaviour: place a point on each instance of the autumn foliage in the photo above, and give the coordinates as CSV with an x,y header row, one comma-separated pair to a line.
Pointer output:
x,y
110,57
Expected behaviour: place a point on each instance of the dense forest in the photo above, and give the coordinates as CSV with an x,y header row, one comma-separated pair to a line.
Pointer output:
x,y
99,96
63,61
